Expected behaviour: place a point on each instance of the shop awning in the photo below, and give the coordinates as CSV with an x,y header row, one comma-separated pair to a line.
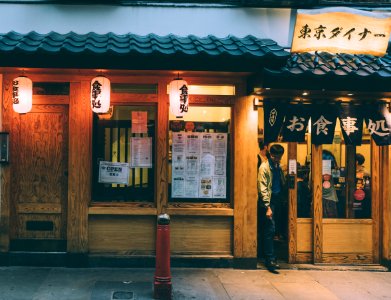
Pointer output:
x,y
317,71
129,51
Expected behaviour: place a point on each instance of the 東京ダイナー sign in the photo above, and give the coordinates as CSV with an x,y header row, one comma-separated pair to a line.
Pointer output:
x,y
341,30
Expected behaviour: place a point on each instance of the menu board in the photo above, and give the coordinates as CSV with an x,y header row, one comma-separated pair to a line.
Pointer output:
x,y
199,162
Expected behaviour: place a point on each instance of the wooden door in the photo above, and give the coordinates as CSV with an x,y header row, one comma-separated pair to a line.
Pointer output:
x,y
39,187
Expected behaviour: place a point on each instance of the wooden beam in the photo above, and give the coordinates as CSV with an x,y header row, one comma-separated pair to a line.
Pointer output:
x,y
376,198
162,147
79,182
245,178
316,171
292,210
5,125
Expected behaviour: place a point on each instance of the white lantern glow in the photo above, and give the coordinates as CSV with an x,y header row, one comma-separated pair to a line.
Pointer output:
x,y
22,94
179,97
100,94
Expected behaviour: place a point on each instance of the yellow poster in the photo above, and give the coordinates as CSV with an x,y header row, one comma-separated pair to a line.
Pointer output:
x,y
341,30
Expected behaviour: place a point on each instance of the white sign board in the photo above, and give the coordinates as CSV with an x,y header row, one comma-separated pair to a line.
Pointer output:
x,y
113,172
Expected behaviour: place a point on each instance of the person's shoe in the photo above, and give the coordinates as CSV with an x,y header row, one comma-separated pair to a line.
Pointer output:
x,y
272,265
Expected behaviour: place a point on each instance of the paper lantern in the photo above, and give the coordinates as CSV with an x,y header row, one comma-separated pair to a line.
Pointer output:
x,y
179,97
22,94
100,95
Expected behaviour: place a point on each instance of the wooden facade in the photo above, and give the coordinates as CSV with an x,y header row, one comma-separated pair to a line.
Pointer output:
x,y
62,214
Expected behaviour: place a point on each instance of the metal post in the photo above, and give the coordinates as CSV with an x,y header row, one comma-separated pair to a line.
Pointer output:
x,y
162,283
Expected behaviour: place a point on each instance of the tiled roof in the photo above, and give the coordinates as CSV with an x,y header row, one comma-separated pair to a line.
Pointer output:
x,y
152,51
324,70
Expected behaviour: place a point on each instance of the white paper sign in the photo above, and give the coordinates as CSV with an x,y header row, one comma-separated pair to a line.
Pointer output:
x,y
141,152
113,172
205,187
219,187
326,167
178,187
292,166
139,122
191,187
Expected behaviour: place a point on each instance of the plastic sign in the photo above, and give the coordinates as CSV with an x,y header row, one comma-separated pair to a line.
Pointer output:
x,y
341,30
179,97
22,94
100,95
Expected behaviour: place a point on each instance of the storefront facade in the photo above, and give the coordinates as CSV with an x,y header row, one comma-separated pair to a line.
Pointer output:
x,y
53,198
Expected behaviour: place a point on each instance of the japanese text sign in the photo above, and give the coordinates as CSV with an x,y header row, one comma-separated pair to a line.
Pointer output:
x,y
341,30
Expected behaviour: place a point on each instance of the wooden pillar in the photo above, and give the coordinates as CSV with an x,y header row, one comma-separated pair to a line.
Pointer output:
x,y
162,146
385,205
292,211
5,125
79,180
376,198
245,180
317,206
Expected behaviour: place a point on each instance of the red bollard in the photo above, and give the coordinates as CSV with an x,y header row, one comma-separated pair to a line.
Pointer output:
x,y
162,284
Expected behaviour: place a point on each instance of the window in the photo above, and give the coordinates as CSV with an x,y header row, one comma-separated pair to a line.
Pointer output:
x,y
125,135
200,150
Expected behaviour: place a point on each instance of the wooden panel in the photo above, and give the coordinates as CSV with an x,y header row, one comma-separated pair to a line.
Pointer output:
x,y
162,148
50,99
304,257
24,233
304,236
201,211
5,125
198,205
201,235
117,98
43,208
347,237
245,177
122,234
80,122
348,258
121,210
316,170
215,100
376,198
386,204
292,210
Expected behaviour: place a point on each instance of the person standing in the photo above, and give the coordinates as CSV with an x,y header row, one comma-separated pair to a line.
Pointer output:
x,y
271,183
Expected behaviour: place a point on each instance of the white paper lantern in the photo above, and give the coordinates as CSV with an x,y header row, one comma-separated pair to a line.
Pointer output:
x,y
100,95
179,97
22,94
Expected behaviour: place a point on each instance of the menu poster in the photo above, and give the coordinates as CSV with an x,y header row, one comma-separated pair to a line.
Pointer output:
x,y
220,144
178,142
139,122
220,165
219,187
141,152
207,165
113,172
199,162
205,188
207,140
178,165
178,187
192,165
193,143
191,187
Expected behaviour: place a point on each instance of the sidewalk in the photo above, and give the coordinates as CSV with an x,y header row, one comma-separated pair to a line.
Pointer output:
x,y
24,283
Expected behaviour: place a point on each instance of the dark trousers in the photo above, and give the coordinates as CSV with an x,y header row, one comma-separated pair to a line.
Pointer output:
x,y
269,227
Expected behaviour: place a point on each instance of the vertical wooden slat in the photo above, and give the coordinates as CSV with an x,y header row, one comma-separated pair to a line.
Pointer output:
x,y
316,171
376,195
162,148
350,180
5,125
79,184
245,178
385,202
292,211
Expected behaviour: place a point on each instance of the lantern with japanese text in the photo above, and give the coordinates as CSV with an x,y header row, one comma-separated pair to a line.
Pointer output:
x,y
179,97
100,95
22,94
